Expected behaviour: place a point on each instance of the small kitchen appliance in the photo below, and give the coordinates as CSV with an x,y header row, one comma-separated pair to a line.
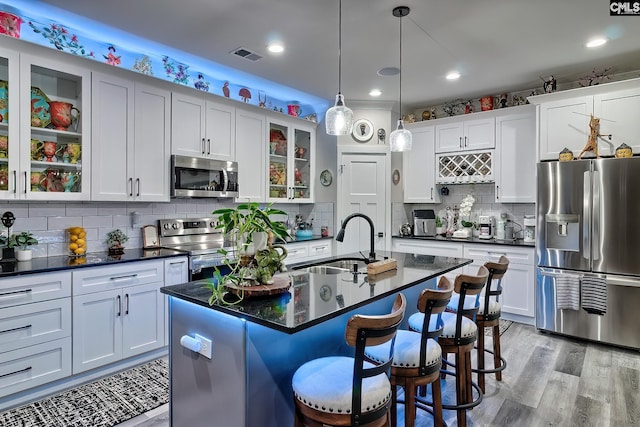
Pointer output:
x,y
424,222
529,228
487,226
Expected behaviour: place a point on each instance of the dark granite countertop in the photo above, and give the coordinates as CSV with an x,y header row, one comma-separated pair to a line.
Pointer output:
x,y
304,239
56,263
516,242
314,298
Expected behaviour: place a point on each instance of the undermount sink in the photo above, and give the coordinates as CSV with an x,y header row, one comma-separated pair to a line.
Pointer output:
x,y
345,265
325,269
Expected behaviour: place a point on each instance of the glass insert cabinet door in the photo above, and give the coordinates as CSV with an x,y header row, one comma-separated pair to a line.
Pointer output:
x,y
290,163
9,126
54,130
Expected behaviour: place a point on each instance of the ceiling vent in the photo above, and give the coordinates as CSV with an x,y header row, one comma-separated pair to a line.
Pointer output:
x,y
246,54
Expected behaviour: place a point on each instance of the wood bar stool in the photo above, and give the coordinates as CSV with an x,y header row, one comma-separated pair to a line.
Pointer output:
x,y
458,337
417,357
488,316
349,391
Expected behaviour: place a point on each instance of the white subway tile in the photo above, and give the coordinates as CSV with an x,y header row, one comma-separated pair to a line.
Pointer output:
x,y
97,221
63,222
81,209
29,224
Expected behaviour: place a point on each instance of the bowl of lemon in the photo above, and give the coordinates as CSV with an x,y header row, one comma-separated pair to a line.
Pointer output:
x,y
77,241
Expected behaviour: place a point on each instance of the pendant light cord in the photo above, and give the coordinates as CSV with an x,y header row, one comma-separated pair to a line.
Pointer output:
x,y
340,47
400,67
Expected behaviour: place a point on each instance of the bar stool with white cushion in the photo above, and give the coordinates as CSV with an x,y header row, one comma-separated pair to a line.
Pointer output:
x,y
349,391
417,357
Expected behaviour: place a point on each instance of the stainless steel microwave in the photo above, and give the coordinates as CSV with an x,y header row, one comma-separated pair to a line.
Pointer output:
x,y
195,177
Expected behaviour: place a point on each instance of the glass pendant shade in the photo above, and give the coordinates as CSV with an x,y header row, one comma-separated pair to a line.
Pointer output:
x,y
400,139
339,118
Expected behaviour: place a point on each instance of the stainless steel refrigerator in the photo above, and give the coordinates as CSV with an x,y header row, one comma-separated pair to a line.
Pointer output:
x,y
588,249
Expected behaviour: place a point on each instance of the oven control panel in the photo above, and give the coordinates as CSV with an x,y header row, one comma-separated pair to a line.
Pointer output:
x,y
188,226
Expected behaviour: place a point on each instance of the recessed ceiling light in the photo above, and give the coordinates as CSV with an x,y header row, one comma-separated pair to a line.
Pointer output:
x,y
275,48
596,42
375,92
388,71
453,75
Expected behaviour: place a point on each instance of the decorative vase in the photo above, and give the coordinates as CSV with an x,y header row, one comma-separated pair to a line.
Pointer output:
x,y
24,254
61,114
10,24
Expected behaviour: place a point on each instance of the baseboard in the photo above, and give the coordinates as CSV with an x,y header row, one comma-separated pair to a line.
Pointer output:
x,y
46,390
519,319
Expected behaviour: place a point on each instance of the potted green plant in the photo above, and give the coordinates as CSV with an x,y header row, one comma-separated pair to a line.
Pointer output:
x,y
439,227
251,228
22,241
115,240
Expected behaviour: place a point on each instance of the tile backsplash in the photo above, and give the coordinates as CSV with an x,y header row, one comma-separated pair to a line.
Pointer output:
x,y
484,205
48,221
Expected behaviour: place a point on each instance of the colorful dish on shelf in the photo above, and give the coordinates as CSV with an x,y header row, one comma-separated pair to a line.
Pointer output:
x,y
40,116
4,101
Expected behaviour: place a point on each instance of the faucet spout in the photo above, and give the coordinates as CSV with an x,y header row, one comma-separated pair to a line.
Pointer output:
x,y
340,236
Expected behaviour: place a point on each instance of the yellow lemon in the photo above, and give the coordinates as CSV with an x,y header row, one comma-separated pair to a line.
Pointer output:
x,y
80,242
75,230
82,235
73,237
73,246
79,251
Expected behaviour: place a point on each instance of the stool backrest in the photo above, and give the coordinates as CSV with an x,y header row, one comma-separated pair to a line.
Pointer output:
x,y
468,285
496,273
367,330
432,302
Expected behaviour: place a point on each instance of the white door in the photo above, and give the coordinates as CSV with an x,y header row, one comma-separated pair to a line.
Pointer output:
x,y
363,189
142,319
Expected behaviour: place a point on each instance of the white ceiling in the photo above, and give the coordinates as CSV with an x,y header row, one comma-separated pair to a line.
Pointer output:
x,y
498,45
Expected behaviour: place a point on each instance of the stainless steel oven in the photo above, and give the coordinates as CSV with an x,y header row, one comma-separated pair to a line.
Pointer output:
x,y
195,177
199,239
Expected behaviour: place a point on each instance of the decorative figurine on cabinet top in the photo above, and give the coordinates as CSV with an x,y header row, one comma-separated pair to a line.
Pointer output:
x,y
623,151
594,134
566,155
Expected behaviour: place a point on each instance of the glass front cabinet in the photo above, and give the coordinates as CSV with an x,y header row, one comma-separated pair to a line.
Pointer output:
x,y
291,163
44,129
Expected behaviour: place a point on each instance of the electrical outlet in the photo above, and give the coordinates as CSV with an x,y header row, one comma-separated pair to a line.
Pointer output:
x,y
206,347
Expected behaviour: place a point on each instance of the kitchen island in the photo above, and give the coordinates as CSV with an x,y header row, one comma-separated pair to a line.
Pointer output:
x,y
258,344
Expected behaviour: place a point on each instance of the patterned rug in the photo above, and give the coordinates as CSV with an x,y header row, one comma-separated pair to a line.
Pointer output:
x,y
504,325
103,403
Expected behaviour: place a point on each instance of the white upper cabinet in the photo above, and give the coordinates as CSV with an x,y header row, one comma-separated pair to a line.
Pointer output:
x,y
202,128
564,118
515,156
457,134
250,155
131,128
419,167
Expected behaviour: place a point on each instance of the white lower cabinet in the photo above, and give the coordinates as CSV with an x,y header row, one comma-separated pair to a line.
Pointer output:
x,y
308,251
518,284
176,271
430,247
124,320
35,330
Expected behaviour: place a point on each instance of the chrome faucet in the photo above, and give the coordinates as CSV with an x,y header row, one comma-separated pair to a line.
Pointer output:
x,y
340,236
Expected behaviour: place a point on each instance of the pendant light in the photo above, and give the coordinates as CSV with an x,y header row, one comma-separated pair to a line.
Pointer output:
x,y
400,139
339,118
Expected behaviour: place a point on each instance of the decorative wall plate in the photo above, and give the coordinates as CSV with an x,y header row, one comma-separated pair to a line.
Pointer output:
x,y
325,293
362,130
326,177
395,177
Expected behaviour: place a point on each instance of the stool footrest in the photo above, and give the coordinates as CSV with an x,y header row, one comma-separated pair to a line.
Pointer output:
x,y
503,365
464,406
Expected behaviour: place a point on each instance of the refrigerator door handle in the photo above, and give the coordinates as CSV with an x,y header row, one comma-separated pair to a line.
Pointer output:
x,y
595,239
586,214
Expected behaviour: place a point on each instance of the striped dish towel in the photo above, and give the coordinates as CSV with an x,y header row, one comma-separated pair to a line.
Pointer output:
x,y
594,294
567,291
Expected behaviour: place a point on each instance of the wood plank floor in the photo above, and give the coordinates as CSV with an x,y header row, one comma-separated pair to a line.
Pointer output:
x,y
549,381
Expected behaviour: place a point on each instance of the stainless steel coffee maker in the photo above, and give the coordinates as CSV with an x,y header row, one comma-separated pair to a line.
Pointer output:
x,y
487,226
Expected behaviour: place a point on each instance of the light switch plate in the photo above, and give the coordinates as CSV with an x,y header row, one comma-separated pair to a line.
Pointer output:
x,y
206,347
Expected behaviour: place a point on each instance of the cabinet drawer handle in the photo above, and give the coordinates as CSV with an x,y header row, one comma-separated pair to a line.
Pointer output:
x,y
177,262
465,141
126,303
15,182
208,146
130,187
119,305
128,276
203,146
137,187
431,193
460,142
497,192
15,329
15,293
28,368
